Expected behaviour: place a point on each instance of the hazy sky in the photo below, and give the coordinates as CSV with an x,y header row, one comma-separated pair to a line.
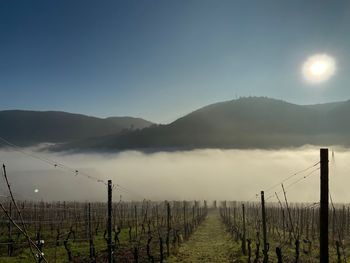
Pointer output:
x,y
162,59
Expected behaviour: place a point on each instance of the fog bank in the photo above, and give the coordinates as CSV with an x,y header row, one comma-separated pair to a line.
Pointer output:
x,y
211,174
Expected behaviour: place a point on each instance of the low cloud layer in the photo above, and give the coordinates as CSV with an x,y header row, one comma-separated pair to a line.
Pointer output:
x,y
199,174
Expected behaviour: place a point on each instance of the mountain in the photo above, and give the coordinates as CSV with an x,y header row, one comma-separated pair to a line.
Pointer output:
x,y
32,127
253,122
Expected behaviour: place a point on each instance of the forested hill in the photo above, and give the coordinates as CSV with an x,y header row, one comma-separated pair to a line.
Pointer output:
x,y
253,122
32,127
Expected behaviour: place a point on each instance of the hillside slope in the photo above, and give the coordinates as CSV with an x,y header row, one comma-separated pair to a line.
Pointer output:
x,y
31,127
254,122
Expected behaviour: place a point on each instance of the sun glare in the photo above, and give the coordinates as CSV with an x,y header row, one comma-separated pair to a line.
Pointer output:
x,y
319,68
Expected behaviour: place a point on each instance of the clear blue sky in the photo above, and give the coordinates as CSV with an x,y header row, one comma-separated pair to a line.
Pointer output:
x,y
162,59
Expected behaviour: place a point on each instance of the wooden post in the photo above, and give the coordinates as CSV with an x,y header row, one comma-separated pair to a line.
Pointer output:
x,y
157,215
347,221
168,216
279,255
244,249
109,221
193,216
91,241
234,216
10,241
283,225
343,223
136,221
229,215
64,211
185,225
86,208
161,260
168,229
324,253
36,218
263,213
333,224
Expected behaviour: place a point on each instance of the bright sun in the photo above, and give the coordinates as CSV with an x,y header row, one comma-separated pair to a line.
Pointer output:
x,y
319,68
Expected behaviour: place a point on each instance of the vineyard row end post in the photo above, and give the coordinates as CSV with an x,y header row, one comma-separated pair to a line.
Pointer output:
x,y
324,206
109,221
263,213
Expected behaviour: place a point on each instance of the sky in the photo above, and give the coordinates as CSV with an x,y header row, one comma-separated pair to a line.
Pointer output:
x,y
162,59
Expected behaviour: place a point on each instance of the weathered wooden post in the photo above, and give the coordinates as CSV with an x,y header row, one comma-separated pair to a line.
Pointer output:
x,y
263,213
109,221
324,195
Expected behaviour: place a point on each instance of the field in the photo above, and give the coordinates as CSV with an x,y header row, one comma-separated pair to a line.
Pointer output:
x,y
172,232
292,234
266,228
76,232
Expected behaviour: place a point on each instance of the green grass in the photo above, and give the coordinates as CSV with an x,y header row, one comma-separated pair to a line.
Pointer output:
x,y
210,243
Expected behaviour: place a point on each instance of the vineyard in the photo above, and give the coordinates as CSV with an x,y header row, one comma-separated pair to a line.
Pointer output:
x,y
76,232
267,228
292,234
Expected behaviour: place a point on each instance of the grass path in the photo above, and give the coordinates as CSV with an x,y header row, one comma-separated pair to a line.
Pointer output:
x,y
209,243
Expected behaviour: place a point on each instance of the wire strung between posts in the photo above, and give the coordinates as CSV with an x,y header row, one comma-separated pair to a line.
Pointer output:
x,y
290,177
256,196
48,161
127,191
69,169
294,183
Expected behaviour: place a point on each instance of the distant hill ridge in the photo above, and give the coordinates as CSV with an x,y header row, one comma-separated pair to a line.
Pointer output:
x,y
251,122
32,127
